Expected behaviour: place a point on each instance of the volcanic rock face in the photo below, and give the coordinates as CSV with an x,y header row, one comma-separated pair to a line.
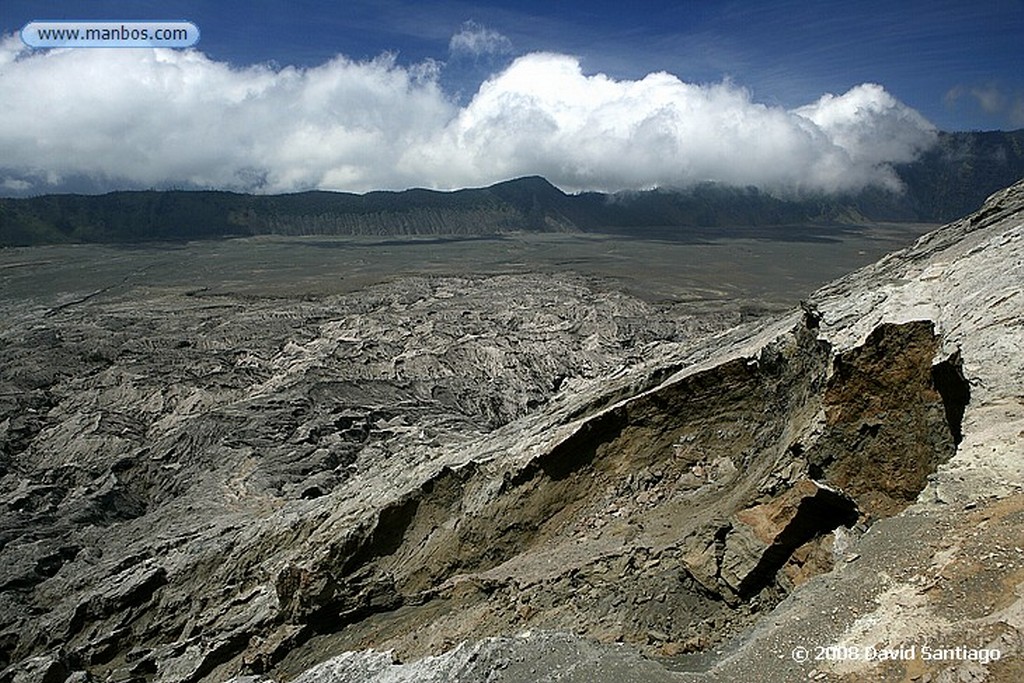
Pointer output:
x,y
201,480
413,484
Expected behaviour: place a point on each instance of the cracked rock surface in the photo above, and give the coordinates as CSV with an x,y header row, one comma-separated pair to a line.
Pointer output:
x,y
409,483
182,481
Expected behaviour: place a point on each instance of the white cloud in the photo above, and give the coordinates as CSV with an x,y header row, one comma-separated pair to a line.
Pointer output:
x,y
1008,106
871,126
543,115
162,118
16,185
474,39
990,99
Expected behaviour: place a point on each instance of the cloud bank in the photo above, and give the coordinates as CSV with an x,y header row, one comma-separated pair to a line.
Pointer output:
x,y
162,118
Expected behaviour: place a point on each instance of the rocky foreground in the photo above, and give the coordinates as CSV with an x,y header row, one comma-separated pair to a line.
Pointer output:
x,y
523,478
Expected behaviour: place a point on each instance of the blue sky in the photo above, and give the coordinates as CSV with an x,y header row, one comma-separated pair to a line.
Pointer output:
x,y
956,64
932,55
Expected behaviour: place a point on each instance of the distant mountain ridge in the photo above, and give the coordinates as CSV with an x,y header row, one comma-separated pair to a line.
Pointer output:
x,y
952,178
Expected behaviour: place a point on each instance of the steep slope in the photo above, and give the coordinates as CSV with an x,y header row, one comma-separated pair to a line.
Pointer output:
x,y
169,458
414,483
917,401
904,389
